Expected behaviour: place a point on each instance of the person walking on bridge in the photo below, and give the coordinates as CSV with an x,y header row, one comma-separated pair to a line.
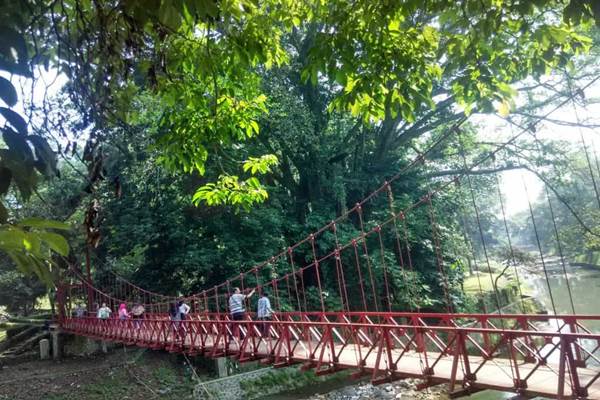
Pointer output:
x,y
80,311
264,313
104,312
238,310
175,317
137,312
103,315
123,313
184,310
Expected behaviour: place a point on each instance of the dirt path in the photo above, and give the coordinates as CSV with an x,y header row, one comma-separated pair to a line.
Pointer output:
x,y
134,375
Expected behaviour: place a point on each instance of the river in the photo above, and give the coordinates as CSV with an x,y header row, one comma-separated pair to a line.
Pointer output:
x,y
585,287
584,284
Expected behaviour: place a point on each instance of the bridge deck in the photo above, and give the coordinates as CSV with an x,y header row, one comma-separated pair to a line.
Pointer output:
x,y
527,362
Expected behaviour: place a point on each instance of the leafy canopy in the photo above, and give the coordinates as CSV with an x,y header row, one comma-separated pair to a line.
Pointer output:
x,y
203,60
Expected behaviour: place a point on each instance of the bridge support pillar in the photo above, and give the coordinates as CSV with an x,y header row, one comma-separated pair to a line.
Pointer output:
x,y
56,342
44,349
221,367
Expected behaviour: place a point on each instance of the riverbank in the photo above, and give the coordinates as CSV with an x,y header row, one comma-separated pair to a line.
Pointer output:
x,y
137,374
404,389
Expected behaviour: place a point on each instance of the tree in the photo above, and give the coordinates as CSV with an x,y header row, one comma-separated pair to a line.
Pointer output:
x,y
391,64
19,293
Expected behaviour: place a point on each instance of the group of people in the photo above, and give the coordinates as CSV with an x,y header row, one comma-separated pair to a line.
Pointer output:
x,y
104,312
178,312
237,310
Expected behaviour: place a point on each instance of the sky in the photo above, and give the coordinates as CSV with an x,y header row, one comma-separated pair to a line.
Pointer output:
x,y
512,182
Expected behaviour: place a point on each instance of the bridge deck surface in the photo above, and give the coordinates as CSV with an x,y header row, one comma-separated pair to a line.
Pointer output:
x,y
497,373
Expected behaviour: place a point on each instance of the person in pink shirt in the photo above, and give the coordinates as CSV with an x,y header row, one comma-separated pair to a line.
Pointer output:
x,y
123,314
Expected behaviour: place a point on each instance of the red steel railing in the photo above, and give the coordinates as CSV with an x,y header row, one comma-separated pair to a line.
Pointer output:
x,y
553,356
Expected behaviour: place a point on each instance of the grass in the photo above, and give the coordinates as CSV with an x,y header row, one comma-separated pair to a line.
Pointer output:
x,y
471,284
591,257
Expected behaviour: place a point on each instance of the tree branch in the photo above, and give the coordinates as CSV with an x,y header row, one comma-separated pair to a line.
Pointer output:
x,y
461,171
562,200
557,121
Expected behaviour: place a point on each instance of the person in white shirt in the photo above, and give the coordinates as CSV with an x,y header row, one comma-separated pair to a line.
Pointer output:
x,y
104,312
183,310
237,308
264,313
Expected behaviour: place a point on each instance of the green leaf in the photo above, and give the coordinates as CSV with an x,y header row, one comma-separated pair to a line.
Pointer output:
x,y
46,158
11,239
56,242
32,243
44,224
7,92
21,261
14,119
23,173
18,147
169,16
13,44
41,269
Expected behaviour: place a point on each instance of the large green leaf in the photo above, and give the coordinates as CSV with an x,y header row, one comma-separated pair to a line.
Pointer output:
x,y
56,242
32,244
46,158
44,223
12,239
18,145
14,119
21,261
42,270
23,172
13,52
7,92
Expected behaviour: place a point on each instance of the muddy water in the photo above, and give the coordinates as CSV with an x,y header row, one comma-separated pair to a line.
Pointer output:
x,y
584,284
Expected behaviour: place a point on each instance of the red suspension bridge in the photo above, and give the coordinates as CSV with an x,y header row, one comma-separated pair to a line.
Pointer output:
x,y
336,294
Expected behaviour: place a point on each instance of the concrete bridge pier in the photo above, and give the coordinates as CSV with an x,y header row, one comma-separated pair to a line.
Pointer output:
x,y
221,367
44,349
55,335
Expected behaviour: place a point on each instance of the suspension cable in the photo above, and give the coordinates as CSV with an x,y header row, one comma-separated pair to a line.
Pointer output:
x,y
585,150
366,254
558,244
438,255
480,230
471,248
539,244
509,241
399,250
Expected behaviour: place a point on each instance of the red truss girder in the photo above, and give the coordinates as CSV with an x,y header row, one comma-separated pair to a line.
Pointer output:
x,y
532,355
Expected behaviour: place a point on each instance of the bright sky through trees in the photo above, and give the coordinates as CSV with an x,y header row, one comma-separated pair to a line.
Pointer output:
x,y
495,128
